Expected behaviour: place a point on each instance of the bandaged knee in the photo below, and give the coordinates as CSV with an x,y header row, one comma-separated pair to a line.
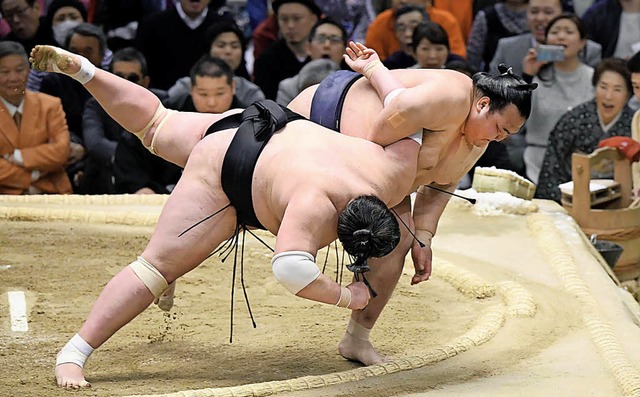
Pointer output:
x,y
150,276
294,269
76,351
161,111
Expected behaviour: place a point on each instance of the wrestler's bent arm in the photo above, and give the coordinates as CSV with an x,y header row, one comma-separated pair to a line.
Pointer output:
x,y
433,105
309,222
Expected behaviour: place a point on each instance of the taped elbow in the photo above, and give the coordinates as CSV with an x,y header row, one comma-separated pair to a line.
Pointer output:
x,y
294,269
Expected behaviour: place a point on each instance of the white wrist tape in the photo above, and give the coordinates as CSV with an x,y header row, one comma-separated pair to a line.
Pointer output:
x,y
150,276
86,72
417,137
345,297
294,269
392,95
76,351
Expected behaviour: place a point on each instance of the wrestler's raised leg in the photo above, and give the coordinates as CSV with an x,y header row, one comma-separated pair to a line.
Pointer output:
x,y
131,105
197,195
384,275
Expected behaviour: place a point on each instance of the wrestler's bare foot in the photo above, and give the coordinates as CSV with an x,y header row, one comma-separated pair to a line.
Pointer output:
x,y
165,302
70,376
359,350
43,57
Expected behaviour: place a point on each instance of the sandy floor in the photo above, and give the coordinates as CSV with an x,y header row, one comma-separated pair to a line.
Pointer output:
x,y
458,343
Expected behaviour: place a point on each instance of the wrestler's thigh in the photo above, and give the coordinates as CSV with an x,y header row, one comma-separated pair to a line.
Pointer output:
x,y
197,195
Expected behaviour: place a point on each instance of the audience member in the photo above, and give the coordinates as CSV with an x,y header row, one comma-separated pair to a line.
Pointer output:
x,y
407,18
285,57
634,67
325,47
512,50
503,19
583,127
89,41
225,41
35,143
430,45
355,16
139,171
212,88
172,40
27,25
381,37
462,10
561,86
101,133
615,25
62,16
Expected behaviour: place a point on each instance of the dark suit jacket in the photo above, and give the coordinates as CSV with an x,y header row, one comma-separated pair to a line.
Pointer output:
x,y
43,140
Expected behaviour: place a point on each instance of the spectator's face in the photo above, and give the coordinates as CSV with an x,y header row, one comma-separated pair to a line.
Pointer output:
x,y
404,26
14,71
611,95
564,32
227,46
484,126
327,43
130,70
212,94
22,18
66,14
295,22
87,46
431,56
539,14
193,8
395,4
635,81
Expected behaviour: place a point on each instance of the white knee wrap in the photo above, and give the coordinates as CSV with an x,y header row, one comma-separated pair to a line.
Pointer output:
x,y
150,276
76,351
294,269
161,111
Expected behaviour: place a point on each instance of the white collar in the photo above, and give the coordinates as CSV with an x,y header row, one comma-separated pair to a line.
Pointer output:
x,y
13,108
191,23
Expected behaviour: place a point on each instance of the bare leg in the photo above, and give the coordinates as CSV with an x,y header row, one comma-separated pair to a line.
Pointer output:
x,y
197,195
131,105
384,275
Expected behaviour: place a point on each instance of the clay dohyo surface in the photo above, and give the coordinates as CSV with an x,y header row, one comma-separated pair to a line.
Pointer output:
x,y
63,266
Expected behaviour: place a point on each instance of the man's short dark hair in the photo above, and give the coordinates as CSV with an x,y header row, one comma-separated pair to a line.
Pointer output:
x,y
634,63
12,48
208,66
89,30
130,54
328,21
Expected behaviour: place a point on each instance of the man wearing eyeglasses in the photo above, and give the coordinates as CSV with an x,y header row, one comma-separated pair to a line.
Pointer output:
x,y
325,47
27,26
285,57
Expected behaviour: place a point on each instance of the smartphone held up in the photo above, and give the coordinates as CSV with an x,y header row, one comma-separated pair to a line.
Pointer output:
x,y
550,53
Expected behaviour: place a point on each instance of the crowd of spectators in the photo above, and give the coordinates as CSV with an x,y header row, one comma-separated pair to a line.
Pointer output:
x,y
210,56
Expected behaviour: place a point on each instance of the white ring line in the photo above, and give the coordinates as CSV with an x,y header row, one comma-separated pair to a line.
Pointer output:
x,y
18,311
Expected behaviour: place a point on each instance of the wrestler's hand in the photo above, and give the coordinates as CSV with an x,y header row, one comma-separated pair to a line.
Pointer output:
x,y
359,295
422,257
358,56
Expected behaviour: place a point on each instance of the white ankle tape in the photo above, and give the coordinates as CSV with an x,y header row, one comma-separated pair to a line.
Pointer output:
x,y
150,276
87,69
358,331
76,351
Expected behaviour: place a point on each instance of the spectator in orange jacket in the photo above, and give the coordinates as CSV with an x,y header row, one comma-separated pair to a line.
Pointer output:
x,y
462,10
35,139
381,34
